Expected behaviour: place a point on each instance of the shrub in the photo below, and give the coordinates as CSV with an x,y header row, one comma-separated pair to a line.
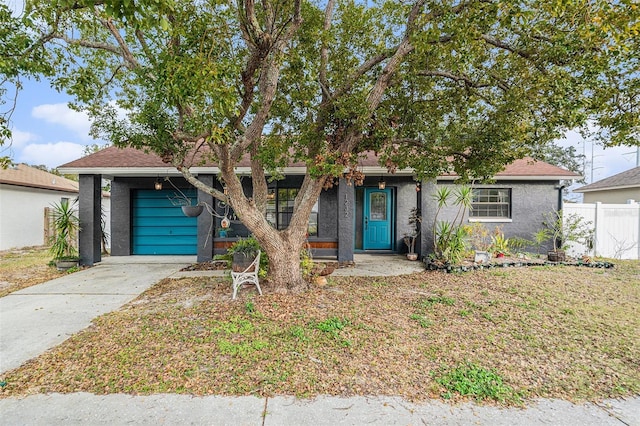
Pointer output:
x,y
472,380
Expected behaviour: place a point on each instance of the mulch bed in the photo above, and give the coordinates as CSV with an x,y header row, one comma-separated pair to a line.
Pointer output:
x,y
213,265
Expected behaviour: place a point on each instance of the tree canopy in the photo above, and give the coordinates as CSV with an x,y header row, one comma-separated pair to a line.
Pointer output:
x,y
438,86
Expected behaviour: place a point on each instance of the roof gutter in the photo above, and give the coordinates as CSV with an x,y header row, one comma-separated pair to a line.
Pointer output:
x,y
111,172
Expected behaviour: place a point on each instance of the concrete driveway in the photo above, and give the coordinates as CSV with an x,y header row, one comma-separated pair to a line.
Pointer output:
x,y
37,318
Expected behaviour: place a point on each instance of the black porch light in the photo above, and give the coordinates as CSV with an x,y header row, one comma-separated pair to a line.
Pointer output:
x,y
158,184
381,183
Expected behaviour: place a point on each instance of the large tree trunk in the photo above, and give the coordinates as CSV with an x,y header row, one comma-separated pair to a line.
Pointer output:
x,y
283,247
284,274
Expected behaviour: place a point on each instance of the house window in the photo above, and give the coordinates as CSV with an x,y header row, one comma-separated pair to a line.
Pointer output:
x,y
491,203
280,210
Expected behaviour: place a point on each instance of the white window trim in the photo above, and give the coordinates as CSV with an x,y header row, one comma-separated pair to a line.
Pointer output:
x,y
497,219
490,219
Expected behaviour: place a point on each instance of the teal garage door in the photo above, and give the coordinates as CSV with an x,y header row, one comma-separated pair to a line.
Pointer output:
x,y
159,227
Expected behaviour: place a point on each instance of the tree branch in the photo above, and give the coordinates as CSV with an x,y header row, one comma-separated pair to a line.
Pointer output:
x,y
125,51
522,53
91,44
455,77
324,53
266,57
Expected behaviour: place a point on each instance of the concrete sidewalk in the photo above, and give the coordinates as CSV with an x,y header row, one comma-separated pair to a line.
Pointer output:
x,y
38,318
170,409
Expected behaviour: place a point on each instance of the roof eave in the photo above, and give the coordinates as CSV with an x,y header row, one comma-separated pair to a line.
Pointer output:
x,y
530,178
111,172
606,188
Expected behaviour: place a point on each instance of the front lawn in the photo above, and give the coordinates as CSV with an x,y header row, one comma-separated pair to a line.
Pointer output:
x,y
502,335
21,268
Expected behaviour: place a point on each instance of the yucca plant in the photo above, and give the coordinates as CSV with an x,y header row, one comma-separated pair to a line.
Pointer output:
x,y
449,236
65,226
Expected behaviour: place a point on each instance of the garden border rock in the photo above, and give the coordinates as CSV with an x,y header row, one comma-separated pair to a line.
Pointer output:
x,y
433,266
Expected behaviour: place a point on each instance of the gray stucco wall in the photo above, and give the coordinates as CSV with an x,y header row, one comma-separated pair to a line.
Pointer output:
x,y
121,216
406,199
530,201
206,223
343,216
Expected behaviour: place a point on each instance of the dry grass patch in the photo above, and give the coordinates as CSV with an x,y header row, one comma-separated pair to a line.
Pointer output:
x,y
22,268
558,332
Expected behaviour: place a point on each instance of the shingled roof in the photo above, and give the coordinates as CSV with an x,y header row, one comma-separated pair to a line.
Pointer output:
x,y
23,175
627,179
113,160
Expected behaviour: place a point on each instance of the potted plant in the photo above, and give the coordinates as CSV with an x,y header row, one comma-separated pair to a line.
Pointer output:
x,y
499,244
479,239
65,231
564,230
243,252
410,237
186,204
224,232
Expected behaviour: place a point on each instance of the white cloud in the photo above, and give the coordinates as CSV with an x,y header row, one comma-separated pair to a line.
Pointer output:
x,y
20,138
61,114
51,154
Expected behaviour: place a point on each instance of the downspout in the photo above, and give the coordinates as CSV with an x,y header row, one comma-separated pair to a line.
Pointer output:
x,y
560,187
419,207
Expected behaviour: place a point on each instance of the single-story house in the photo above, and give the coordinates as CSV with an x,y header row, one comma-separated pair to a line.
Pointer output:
x,y
25,192
346,219
616,189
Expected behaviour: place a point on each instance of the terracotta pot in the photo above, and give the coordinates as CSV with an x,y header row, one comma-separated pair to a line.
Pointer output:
x,y
412,256
320,281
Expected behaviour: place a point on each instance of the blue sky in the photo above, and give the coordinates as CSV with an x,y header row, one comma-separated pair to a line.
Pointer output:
x,y
45,130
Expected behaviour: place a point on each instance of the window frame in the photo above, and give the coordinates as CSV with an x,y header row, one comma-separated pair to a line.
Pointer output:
x,y
277,208
492,205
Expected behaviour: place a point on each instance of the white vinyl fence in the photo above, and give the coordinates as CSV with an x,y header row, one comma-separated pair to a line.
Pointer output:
x,y
617,229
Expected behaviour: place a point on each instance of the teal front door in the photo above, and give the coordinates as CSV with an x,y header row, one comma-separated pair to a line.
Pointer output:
x,y
377,220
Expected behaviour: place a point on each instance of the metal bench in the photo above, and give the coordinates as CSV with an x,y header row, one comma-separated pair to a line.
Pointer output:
x,y
249,275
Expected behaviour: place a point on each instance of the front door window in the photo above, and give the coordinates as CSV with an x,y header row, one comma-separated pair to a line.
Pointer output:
x,y
378,202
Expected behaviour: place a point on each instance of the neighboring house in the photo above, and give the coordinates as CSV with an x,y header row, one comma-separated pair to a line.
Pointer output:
x,y
616,189
25,192
346,219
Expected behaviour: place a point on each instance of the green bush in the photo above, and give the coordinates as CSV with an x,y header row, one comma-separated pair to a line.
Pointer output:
x,y
472,380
